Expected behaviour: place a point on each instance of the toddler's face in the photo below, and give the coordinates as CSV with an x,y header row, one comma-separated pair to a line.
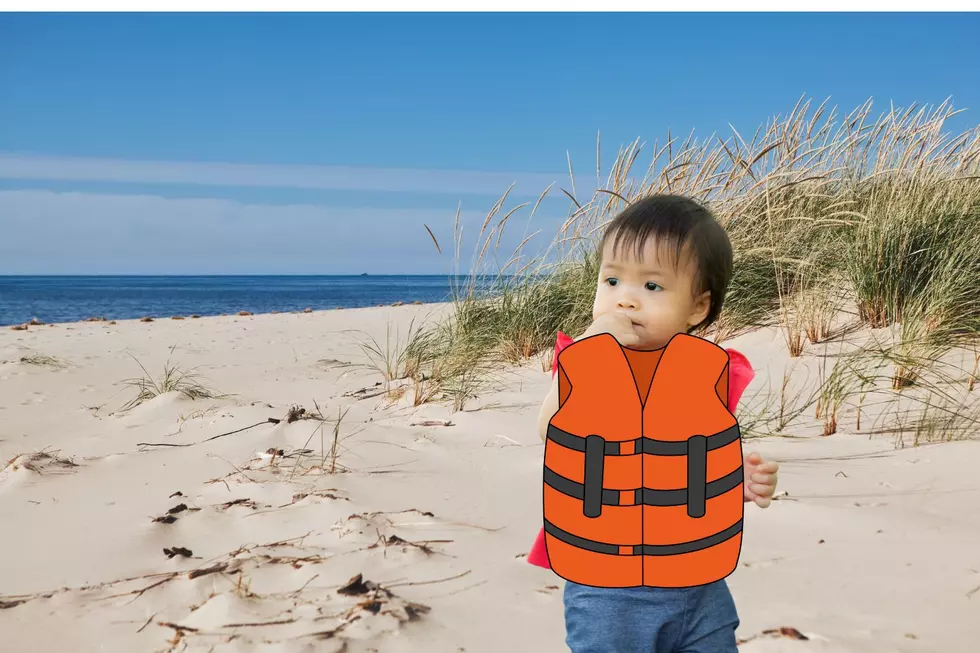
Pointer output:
x,y
656,297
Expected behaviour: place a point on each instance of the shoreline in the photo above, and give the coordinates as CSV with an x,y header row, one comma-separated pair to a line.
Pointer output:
x,y
244,313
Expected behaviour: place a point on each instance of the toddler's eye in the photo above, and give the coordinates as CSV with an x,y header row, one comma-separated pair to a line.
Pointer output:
x,y
612,281
652,286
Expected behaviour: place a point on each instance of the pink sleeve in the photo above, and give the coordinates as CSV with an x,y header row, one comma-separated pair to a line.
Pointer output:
x,y
561,342
740,374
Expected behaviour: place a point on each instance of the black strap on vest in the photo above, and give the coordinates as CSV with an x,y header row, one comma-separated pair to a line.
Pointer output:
x,y
644,549
697,474
644,496
644,445
594,467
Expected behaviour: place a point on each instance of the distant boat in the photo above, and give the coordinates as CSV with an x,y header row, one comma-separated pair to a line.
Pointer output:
x,y
363,274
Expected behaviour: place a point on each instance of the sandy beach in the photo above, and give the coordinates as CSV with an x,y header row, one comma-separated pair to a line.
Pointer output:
x,y
133,531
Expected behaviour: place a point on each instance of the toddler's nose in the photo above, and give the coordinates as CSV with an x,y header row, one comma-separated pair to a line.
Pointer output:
x,y
626,302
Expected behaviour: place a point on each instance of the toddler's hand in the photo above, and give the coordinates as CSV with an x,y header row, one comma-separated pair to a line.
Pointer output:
x,y
618,325
760,479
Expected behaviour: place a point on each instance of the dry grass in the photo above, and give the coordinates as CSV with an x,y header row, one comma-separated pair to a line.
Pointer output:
x,y
42,360
827,211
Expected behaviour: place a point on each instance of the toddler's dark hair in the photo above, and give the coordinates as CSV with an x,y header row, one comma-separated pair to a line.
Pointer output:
x,y
674,220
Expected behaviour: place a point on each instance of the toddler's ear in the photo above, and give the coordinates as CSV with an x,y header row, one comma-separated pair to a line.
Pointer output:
x,y
702,306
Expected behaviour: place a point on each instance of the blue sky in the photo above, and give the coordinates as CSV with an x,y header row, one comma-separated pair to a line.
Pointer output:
x,y
221,144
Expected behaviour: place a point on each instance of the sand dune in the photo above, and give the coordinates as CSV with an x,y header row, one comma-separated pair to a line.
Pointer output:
x,y
143,531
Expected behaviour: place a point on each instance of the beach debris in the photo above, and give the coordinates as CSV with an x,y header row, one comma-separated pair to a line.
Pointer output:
x,y
243,313
110,323
35,322
180,507
6,605
195,317
323,494
307,310
783,631
432,422
178,493
380,596
786,631
417,302
42,360
214,569
356,586
245,501
394,540
167,519
377,600
40,462
146,319
178,551
19,327
398,303
368,392
177,317
294,413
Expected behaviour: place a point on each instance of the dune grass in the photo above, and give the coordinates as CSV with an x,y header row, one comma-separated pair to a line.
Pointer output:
x,y
876,215
172,379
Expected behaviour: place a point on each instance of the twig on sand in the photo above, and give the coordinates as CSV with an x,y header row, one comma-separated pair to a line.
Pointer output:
x,y
214,569
394,540
169,577
430,582
278,622
143,627
271,420
177,627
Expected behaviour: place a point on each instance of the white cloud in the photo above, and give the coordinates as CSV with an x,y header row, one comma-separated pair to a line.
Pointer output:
x,y
453,182
44,232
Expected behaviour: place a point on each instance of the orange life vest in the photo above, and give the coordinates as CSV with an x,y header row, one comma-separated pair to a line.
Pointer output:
x,y
643,466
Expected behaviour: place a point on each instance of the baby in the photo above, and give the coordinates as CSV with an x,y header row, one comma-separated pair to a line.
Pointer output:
x,y
665,267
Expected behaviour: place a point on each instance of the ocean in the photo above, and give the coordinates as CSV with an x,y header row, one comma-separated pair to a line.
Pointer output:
x,y
70,299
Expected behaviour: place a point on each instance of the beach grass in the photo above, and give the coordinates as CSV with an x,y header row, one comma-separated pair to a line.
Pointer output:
x,y
172,379
877,215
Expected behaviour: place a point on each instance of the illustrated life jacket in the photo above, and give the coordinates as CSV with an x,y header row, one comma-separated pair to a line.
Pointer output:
x,y
643,480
